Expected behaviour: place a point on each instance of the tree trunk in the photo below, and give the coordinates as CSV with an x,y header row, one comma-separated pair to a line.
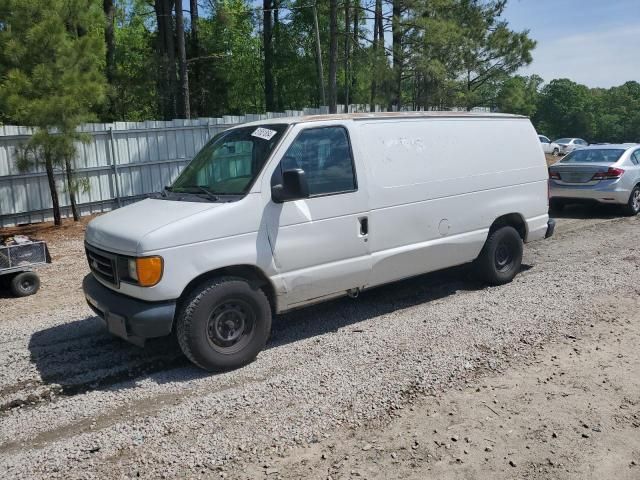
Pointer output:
x,y
184,110
277,58
333,56
378,42
51,179
109,40
71,189
195,52
396,39
167,81
347,54
356,28
319,69
267,39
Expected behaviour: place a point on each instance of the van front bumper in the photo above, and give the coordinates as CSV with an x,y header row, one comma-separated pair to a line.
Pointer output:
x,y
126,317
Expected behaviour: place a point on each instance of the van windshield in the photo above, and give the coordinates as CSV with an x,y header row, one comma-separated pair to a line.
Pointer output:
x,y
230,162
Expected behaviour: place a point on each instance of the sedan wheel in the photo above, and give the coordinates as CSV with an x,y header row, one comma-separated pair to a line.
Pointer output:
x,y
633,206
556,152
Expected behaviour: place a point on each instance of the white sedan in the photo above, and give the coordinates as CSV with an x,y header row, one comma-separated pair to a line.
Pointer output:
x,y
548,146
568,145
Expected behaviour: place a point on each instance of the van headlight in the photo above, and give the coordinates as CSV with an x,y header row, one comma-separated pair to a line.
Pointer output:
x,y
132,269
144,271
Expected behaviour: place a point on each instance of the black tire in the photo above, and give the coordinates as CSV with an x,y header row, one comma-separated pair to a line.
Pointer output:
x,y
556,152
632,208
556,206
24,284
223,324
500,259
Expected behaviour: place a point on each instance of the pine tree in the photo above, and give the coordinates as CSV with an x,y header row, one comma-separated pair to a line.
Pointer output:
x,y
52,56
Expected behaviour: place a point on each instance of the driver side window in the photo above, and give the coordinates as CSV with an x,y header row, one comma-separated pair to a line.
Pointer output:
x,y
325,156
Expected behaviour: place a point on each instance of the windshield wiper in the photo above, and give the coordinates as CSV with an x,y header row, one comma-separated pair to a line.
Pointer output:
x,y
210,195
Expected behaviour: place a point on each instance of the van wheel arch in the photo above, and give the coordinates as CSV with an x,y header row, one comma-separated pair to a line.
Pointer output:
x,y
514,220
252,274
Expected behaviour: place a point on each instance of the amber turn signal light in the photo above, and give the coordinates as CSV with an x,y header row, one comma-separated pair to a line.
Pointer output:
x,y
149,270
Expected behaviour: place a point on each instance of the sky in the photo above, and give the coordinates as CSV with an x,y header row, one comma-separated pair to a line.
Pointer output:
x,y
593,42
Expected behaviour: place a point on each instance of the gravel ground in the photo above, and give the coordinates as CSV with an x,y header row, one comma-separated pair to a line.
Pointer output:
x,y
76,403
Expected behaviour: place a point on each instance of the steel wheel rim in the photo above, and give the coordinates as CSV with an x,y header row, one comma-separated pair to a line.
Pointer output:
x,y
231,325
503,257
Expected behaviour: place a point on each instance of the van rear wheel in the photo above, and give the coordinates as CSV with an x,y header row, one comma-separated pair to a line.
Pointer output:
x,y
500,259
224,324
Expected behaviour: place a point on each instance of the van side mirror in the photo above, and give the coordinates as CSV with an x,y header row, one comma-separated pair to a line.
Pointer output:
x,y
294,186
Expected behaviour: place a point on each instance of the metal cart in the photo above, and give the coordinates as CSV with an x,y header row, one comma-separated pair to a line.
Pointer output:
x,y
17,263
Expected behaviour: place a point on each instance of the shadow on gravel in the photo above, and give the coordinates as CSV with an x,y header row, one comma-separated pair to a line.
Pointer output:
x,y
80,356
343,312
589,211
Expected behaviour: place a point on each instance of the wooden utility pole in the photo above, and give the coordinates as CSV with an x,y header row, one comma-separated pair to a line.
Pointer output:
x,y
319,57
333,56
184,110
195,88
347,53
267,40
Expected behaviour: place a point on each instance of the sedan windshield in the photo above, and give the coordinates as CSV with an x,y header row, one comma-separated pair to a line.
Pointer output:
x,y
230,162
564,140
600,155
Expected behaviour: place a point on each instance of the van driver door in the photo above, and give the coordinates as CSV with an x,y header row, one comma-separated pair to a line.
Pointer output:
x,y
320,244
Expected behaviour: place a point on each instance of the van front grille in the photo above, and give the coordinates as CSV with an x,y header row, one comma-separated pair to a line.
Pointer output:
x,y
102,265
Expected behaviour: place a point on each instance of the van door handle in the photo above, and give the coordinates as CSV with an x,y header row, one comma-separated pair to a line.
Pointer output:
x,y
364,226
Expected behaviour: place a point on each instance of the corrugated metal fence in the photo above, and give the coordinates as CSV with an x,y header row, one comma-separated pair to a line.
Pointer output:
x,y
123,162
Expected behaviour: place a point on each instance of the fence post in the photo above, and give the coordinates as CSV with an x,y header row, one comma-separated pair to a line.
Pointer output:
x,y
114,166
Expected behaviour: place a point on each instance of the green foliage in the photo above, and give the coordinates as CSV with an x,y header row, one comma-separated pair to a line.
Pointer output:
x,y
51,53
520,95
231,68
451,53
133,92
565,110
491,52
51,61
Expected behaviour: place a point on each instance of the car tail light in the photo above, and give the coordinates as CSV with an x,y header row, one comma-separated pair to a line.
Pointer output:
x,y
609,174
554,175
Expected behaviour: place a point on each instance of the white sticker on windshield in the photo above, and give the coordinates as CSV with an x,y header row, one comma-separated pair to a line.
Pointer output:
x,y
264,133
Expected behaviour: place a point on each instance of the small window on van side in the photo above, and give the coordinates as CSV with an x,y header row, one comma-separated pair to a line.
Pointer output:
x,y
324,154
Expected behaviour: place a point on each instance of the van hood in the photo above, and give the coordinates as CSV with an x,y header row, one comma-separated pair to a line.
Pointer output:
x,y
125,230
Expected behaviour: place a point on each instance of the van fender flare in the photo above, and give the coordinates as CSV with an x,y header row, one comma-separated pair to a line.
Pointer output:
x,y
251,273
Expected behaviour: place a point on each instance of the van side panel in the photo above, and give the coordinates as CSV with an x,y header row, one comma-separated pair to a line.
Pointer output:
x,y
437,185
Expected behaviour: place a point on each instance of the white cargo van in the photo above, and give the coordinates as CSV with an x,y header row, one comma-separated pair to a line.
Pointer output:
x,y
279,214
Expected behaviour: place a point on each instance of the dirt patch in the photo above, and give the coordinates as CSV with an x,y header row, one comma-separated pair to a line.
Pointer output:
x,y
572,411
551,159
49,232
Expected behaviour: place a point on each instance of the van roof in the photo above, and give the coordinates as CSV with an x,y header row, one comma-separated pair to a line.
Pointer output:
x,y
380,116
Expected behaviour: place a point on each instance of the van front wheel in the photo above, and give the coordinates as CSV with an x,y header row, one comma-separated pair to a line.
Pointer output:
x,y
501,257
224,324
